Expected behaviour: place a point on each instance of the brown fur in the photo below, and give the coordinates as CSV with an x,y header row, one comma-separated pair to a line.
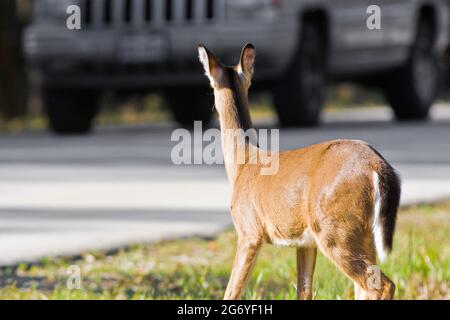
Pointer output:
x,y
323,192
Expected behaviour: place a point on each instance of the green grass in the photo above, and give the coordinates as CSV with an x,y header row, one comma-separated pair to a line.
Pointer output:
x,y
198,269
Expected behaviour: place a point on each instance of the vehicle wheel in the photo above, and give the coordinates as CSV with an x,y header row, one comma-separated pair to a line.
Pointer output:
x,y
190,104
412,89
299,95
70,111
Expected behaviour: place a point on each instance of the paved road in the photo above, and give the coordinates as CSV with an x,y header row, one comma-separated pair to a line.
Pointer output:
x,y
118,186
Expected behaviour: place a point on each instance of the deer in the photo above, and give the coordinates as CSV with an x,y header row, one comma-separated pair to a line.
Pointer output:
x,y
338,196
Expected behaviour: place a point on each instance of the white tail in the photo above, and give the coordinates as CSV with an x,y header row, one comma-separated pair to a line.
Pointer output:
x,y
377,225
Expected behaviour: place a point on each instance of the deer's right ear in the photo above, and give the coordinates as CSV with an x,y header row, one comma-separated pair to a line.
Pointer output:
x,y
213,68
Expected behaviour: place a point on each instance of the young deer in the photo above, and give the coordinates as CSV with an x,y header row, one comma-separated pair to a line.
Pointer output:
x,y
341,196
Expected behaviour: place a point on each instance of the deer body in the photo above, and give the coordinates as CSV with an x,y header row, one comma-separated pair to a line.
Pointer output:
x,y
296,198
339,196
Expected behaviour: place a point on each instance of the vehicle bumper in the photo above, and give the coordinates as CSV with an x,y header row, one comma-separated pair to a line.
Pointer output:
x,y
61,52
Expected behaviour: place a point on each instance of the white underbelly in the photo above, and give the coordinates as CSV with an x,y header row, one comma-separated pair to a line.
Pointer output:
x,y
305,240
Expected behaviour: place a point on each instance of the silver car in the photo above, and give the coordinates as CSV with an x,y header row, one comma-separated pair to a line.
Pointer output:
x,y
150,45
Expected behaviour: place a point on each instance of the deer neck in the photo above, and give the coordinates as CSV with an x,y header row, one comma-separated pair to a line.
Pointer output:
x,y
234,117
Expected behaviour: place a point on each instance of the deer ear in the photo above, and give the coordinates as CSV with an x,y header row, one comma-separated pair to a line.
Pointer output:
x,y
213,68
247,61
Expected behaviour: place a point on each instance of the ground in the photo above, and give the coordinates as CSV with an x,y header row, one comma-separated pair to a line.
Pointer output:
x,y
195,268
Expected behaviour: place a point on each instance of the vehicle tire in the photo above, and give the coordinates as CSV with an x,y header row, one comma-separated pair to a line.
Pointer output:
x,y
70,111
299,95
190,104
412,89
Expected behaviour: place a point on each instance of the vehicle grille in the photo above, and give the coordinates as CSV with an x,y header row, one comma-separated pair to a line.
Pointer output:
x,y
150,13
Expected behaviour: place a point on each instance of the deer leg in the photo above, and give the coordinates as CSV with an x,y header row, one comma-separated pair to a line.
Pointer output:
x,y
358,262
306,262
244,261
359,292
370,282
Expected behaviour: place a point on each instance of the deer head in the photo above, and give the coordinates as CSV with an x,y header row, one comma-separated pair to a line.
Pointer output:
x,y
230,83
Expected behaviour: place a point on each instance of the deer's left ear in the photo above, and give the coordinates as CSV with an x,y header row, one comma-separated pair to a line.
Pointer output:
x,y
247,61
212,66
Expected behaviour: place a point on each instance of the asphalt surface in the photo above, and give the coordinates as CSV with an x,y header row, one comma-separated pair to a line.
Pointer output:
x,y
63,195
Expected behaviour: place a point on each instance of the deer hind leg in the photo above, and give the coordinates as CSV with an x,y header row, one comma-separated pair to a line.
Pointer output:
x,y
378,286
358,292
306,262
246,254
354,254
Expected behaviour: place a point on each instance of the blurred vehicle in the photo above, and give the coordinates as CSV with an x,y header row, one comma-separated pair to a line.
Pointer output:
x,y
150,45
12,69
